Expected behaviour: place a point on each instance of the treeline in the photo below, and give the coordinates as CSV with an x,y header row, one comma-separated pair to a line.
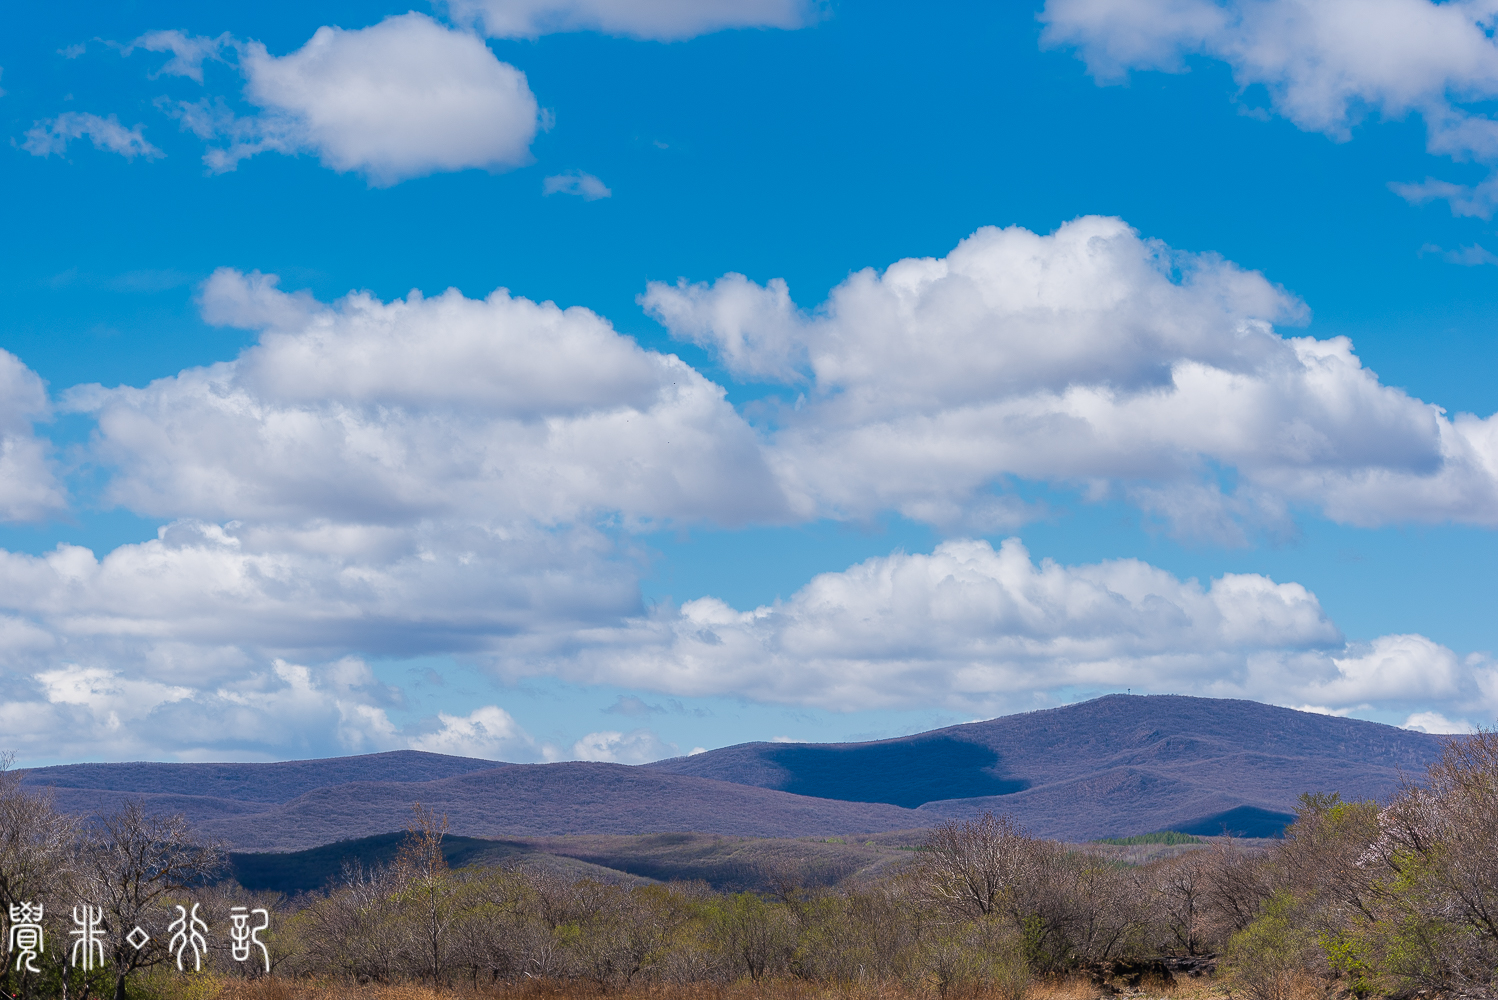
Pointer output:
x,y
1355,899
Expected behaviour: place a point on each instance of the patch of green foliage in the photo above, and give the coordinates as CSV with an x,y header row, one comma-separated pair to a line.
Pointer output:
x,y
1170,838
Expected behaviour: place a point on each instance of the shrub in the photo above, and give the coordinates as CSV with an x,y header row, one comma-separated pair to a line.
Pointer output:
x,y
1272,958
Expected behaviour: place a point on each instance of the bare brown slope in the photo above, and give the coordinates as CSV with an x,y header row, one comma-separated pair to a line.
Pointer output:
x,y
536,800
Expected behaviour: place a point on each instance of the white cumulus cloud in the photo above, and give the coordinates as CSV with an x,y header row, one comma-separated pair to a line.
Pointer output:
x,y
423,476
1090,357
660,20
29,489
1435,722
197,706
254,301
373,412
638,746
314,590
980,630
488,732
403,98
453,476
966,626
1325,64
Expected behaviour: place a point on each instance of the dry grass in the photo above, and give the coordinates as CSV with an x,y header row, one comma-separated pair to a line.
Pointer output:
x,y
1082,988
779,989
1290,984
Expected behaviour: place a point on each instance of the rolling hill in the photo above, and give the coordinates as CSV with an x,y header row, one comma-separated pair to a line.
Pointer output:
x,y
726,863
1114,766
1120,762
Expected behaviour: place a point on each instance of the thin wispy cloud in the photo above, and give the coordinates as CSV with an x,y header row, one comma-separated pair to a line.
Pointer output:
x,y
1326,66
655,20
585,186
51,137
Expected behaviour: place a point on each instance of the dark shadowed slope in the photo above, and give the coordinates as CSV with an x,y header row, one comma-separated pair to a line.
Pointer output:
x,y
901,773
319,867
1119,764
731,864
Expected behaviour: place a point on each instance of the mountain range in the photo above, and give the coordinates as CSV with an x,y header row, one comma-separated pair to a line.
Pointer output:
x,y
1113,766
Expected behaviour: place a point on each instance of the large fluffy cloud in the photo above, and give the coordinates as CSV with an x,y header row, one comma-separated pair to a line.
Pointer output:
x,y
489,411
409,96
215,708
403,98
981,630
29,489
207,707
1090,356
1325,64
315,590
207,641
213,640
445,475
418,477
661,20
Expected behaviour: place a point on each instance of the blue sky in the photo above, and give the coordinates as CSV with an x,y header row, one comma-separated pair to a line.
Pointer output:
x,y
1110,443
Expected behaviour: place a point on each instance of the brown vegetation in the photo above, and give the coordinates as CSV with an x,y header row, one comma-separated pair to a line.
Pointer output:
x,y
779,989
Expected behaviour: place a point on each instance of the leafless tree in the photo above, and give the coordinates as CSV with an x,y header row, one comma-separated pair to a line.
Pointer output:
x,y
353,932
488,930
755,936
428,887
972,864
36,841
133,863
1176,890
38,867
1439,836
1238,881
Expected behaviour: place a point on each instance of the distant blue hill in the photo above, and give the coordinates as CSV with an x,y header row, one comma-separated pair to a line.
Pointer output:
x,y
1114,766
274,782
1119,763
